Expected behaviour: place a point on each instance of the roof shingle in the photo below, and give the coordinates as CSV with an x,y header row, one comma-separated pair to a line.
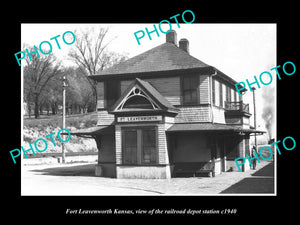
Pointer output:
x,y
164,57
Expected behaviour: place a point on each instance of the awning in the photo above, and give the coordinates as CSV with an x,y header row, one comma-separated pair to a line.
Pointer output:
x,y
210,127
93,131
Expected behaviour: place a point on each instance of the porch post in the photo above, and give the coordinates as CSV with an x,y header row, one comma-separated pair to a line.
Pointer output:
x,y
98,168
213,147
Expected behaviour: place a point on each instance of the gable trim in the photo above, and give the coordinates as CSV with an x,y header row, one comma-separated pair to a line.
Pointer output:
x,y
131,94
158,102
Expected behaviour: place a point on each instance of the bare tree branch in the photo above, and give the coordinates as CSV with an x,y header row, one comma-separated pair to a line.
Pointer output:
x,y
37,74
90,53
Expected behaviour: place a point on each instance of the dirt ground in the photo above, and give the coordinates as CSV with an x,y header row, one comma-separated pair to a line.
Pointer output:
x,y
79,179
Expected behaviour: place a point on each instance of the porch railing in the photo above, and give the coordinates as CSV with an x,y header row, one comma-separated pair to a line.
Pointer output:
x,y
237,106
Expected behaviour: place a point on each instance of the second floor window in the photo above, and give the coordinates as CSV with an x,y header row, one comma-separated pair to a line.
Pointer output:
x,y
213,91
112,92
221,94
190,90
228,94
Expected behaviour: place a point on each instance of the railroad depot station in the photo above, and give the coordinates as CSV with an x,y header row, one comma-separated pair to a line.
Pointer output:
x,y
164,114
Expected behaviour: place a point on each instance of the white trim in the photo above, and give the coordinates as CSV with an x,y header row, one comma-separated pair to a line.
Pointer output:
x,y
132,93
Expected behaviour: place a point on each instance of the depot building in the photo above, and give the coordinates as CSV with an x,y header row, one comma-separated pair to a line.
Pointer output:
x,y
165,113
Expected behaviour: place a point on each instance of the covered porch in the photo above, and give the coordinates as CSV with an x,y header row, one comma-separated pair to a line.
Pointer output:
x,y
105,140
206,149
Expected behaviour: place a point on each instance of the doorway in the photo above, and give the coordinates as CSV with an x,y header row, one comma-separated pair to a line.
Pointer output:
x,y
139,146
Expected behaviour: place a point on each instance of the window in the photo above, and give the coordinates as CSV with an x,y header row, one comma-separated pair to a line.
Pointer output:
x,y
221,94
234,94
139,145
130,147
228,94
189,90
148,146
213,91
112,92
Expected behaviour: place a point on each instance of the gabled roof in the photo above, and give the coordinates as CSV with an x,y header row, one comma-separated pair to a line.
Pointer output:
x,y
162,101
164,57
150,91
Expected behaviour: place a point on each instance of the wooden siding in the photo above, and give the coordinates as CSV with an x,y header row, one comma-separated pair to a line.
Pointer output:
x,y
125,84
217,93
162,145
118,144
106,151
218,115
169,87
194,114
191,147
234,120
224,94
104,118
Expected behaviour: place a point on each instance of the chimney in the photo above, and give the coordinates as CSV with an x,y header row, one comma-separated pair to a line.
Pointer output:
x,y
184,45
171,37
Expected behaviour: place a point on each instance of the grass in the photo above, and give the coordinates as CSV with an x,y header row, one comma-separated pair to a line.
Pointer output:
x,y
39,128
78,121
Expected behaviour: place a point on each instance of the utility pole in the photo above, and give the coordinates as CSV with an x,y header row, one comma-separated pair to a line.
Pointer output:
x,y
64,118
254,107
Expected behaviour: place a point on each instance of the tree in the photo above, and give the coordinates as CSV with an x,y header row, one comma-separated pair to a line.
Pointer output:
x,y
79,93
51,97
91,56
89,48
37,74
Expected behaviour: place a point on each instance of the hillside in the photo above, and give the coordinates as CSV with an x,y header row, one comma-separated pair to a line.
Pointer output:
x,y
39,128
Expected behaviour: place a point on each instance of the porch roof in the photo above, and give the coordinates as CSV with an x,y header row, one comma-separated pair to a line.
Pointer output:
x,y
213,127
92,131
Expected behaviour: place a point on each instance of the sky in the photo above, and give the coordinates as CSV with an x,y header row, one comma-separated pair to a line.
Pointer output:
x,y
241,51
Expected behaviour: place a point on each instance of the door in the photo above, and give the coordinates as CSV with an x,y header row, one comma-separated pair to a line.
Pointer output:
x,y
148,145
129,142
139,145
